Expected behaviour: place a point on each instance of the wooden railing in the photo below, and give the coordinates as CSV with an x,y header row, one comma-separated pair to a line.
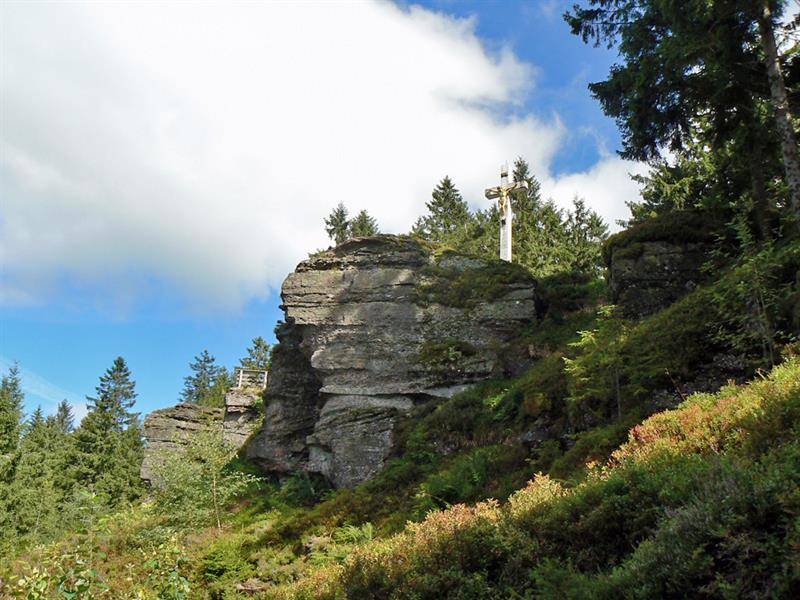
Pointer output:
x,y
249,378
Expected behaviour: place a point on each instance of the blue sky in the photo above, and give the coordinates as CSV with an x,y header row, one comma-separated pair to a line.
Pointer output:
x,y
162,170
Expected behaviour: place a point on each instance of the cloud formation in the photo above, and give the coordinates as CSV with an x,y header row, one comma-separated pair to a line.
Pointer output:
x,y
203,145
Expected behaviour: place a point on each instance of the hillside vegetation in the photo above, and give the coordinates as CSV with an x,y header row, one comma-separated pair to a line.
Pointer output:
x,y
593,521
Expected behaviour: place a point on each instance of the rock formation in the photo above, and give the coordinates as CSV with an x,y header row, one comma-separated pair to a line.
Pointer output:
x,y
655,263
372,328
170,429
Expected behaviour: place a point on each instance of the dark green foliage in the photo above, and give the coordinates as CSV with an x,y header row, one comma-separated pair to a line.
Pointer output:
x,y
340,228
363,225
693,78
337,224
448,218
304,489
259,355
547,240
65,418
11,398
107,449
489,471
208,382
35,488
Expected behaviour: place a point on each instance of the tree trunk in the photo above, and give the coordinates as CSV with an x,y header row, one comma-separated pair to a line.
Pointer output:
x,y
216,502
783,117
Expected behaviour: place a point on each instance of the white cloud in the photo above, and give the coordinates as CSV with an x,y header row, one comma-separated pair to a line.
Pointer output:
x,y
203,144
607,186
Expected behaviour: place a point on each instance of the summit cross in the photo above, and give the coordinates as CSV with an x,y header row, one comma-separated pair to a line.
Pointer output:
x,y
503,193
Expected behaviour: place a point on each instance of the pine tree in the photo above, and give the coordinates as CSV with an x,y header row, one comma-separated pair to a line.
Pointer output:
x,y
363,225
11,399
197,387
337,224
259,355
108,444
448,219
65,419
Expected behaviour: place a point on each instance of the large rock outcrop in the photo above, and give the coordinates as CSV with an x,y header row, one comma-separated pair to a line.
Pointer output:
x,y
170,429
372,328
654,263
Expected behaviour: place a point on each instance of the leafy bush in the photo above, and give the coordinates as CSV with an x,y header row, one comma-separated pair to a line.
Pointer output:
x,y
194,484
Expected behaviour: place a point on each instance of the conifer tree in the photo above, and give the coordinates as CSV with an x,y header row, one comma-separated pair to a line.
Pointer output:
x,y
198,387
65,419
108,444
337,224
11,399
35,490
704,73
259,355
363,225
448,219
586,232
540,231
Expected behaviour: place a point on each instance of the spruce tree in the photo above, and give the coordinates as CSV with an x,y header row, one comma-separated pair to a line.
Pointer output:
x,y
540,234
37,496
702,73
448,220
363,225
337,224
108,444
197,387
11,399
259,355
65,419
586,232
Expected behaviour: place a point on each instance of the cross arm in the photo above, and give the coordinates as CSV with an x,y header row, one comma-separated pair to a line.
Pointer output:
x,y
494,192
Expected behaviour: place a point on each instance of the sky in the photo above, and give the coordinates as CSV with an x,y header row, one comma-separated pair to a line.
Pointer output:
x,y
163,166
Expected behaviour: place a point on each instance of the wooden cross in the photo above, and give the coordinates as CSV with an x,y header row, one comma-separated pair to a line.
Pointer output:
x,y
503,193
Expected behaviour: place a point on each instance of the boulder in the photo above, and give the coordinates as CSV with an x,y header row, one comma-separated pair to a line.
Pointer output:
x,y
170,429
658,261
373,328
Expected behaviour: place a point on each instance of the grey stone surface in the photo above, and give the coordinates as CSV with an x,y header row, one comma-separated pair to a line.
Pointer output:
x,y
169,429
242,414
654,276
372,328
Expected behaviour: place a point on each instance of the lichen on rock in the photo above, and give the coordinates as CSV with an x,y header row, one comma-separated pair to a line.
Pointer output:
x,y
373,328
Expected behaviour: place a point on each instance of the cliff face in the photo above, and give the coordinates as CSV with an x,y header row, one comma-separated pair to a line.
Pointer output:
x,y
373,328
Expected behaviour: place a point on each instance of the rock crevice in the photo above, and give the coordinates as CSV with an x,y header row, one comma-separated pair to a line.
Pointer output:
x,y
372,328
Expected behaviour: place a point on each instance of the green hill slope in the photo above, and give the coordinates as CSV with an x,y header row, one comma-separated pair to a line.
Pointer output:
x,y
703,500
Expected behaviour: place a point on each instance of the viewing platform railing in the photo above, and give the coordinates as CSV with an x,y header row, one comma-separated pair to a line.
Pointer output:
x,y
249,378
